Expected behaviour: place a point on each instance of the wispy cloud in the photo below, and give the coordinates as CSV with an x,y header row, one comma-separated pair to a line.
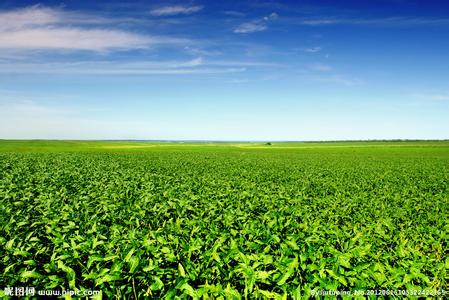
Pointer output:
x,y
31,16
312,49
201,51
251,27
320,21
193,66
247,64
239,81
197,65
234,13
38,15
40,27
338,79
257,25
390,21
86,39
175,10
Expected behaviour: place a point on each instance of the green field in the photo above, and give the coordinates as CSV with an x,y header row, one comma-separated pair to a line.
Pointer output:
x,y
236,220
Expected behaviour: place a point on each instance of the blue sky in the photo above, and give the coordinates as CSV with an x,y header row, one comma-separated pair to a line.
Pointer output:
x,y
224,70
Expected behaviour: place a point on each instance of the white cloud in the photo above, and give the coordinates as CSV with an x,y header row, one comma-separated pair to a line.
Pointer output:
x,y
39,27
234,13
244,80
175,10
391,21
319,22
257,25
140,67
271,16
243,63
312,49
251,27
332,78
79,39
30,16
192,63
201,51
194,66
341,80
38,16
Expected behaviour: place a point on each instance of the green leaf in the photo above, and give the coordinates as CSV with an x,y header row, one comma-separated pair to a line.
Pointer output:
x,y
157,284
30,274
181,270
128,256
284,278
106,278
262,275
70,273
9,244
344,260
189,290
292,244
92,259
133,263
268,294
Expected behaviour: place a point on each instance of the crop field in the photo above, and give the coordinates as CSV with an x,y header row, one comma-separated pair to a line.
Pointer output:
x,y
231,220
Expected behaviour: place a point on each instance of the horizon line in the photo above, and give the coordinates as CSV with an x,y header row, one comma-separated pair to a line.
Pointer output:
x,y
232,141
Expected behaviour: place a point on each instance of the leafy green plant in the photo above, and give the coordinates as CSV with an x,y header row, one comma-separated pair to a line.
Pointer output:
x,y
207,223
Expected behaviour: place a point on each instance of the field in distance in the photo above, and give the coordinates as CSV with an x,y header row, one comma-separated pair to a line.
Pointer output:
x,y
101,145
237,220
